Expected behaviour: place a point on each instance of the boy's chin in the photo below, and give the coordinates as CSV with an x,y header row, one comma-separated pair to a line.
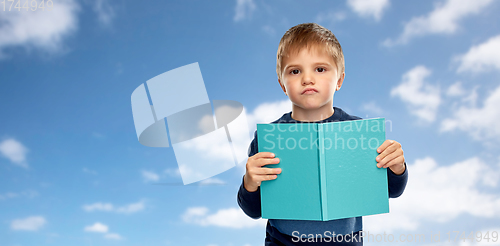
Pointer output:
x,y
310,107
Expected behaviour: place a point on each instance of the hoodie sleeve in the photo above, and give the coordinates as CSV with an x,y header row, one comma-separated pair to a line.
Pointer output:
x,y
249,202
397,183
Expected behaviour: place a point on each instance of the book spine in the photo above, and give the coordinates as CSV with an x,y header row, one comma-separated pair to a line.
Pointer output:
x,y
322,172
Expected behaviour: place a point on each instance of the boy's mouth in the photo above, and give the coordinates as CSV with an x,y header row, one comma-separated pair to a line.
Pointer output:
x,y
308,91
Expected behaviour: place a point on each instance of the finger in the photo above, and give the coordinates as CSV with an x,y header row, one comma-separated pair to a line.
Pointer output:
x,y
384,145
389,150
395,161
390,157
268,177
262,162
267,171
259,178
263,155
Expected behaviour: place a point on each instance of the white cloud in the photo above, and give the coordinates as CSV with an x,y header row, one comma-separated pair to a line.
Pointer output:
x,y
28,194
444,19
102,228
210,148
482,123
40,29
105,12
482,57
173,172
268,112
131,208
212,181
244,9
14,151
421,98
214,148
467,97
97,227
455,90
369,8
8,195
194,212
269,30
471,97
230,218
99,206
109,207
33,223
372,109
438,193
206,123
149,176
86,170
332,16
113,236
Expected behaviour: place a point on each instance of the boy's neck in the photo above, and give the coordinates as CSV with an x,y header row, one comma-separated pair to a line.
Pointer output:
x,y
311,115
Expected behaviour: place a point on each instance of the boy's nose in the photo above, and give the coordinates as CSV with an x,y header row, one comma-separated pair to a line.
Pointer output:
x,y
307,80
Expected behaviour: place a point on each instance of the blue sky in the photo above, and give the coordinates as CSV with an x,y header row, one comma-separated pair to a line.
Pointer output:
x,y
72,171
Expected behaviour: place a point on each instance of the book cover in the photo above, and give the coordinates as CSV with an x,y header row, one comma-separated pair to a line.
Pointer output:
x,y
329,170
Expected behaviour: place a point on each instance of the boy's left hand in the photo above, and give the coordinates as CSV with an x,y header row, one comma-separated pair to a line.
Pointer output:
x,y
391,156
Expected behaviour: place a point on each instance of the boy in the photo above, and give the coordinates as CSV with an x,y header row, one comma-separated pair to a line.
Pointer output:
x,y
310,68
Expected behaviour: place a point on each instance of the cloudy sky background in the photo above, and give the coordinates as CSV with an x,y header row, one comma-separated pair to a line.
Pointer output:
x,y
73,173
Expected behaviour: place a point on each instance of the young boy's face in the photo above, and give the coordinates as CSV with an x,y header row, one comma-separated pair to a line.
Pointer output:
x,y
310,79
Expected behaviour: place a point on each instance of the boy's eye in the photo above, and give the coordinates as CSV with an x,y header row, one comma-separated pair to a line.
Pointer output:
x,y
320,69
294,71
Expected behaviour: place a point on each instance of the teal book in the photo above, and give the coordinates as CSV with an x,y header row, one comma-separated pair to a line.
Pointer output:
x,y
329,170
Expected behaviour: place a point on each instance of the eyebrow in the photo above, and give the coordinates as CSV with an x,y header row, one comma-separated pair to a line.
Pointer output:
x,y
315,64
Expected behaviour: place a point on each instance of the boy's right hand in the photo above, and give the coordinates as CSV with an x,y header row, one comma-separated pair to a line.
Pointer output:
x,y
256,172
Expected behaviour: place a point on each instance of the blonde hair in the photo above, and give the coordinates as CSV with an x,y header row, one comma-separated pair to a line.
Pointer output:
x,y
308,35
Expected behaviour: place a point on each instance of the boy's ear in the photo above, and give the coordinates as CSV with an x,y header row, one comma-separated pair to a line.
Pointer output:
x,y
340,81
282,87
